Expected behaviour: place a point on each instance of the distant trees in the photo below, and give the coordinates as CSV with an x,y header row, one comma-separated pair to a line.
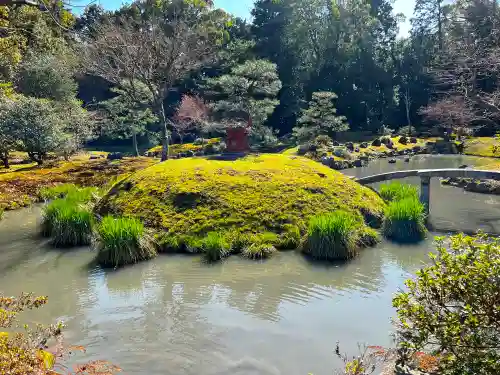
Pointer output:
x,y
320,118
157,46
248,92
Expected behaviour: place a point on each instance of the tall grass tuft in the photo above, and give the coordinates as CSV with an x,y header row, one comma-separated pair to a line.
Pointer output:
x,y
215,246
2,211
71,192
333,236
405,221
68,223
395,191
121,241
258,251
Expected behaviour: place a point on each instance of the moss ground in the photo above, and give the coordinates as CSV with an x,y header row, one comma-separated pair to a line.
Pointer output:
x,y
482,146
178,148
269,193
20,186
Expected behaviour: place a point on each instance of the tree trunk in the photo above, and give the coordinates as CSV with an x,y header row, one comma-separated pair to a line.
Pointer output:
x,y
408,107
440,25
134,143
5,160
36,157
164,134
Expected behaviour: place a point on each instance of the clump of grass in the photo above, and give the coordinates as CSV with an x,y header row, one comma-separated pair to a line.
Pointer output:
x,y
290,239
55,192
71,192
68,223
121,241
215,246
368,237
333,236
2,211
258,251
405,221
395,191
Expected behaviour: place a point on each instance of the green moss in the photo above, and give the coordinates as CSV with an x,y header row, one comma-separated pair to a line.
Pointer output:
x,y
334,236
396,191
270,195
405,221
68,223
122,241
259,251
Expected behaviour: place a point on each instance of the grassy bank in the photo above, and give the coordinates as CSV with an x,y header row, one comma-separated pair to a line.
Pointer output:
x,y
270,198
19,187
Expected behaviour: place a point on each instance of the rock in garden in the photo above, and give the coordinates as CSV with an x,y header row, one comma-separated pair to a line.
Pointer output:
x,y
356,149
189,153
335,143
358,163
363,145
303,149
350,146
463,166
413,140
403,140
199,153
417,149
407,160
115,156
377,143
94,157
364,158
392,161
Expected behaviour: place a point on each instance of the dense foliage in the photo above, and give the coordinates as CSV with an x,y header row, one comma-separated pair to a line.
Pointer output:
x,y
451,308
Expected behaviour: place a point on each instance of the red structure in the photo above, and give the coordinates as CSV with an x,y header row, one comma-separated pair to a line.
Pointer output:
x,y
237,139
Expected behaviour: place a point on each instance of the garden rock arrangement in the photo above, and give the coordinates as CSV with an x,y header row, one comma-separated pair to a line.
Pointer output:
x,y
474,185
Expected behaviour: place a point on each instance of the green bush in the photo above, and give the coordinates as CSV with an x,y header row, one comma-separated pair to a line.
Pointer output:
x,y
333,236
122,241
368,237
68,223
70,191
259,251
395,190
215,246
404,220
452,306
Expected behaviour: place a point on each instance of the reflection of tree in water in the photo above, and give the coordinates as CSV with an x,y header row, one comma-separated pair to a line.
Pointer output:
x,y
409,257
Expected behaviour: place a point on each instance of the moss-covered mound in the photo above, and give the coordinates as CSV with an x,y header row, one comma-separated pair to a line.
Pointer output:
x,y
256,194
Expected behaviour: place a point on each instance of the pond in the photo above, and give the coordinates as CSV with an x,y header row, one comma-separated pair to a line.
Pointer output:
x,y
175,315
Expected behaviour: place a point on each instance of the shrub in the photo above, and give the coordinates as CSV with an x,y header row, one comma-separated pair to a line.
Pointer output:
x,y
396,191
323,140
453,303
259,251
68,223
409,131
215,246
332,236
404,220
290,240
70,191
122,241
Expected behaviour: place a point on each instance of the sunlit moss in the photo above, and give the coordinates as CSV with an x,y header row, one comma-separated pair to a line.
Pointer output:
x,y
271,195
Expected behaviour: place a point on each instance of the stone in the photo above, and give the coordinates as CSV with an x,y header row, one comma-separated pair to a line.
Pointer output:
x,y
356,149
363,145
349,146
463,166
392,161
199,153
303,149
417,149
377,143
94,157
390,145
189,153
335,143
115,156
407,160
329,161
338,165
413,140
364,158
403,140
358,163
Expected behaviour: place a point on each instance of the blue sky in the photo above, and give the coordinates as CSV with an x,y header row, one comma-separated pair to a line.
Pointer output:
x,y
242,8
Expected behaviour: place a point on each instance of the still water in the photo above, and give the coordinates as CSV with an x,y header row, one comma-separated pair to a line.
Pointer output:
x,y
175,315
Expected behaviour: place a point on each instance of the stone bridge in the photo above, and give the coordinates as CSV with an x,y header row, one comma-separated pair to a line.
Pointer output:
x,y
426,175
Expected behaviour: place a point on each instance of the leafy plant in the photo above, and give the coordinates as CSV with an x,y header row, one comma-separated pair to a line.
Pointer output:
x,y
259,251
395,191
68,222
451,308
333,236
215,246
121,241
404,220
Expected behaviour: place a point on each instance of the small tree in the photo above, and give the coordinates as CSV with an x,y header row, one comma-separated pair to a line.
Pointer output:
x,y
129,113
42,126
191,114
248,92
453,307
320,118
8,140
